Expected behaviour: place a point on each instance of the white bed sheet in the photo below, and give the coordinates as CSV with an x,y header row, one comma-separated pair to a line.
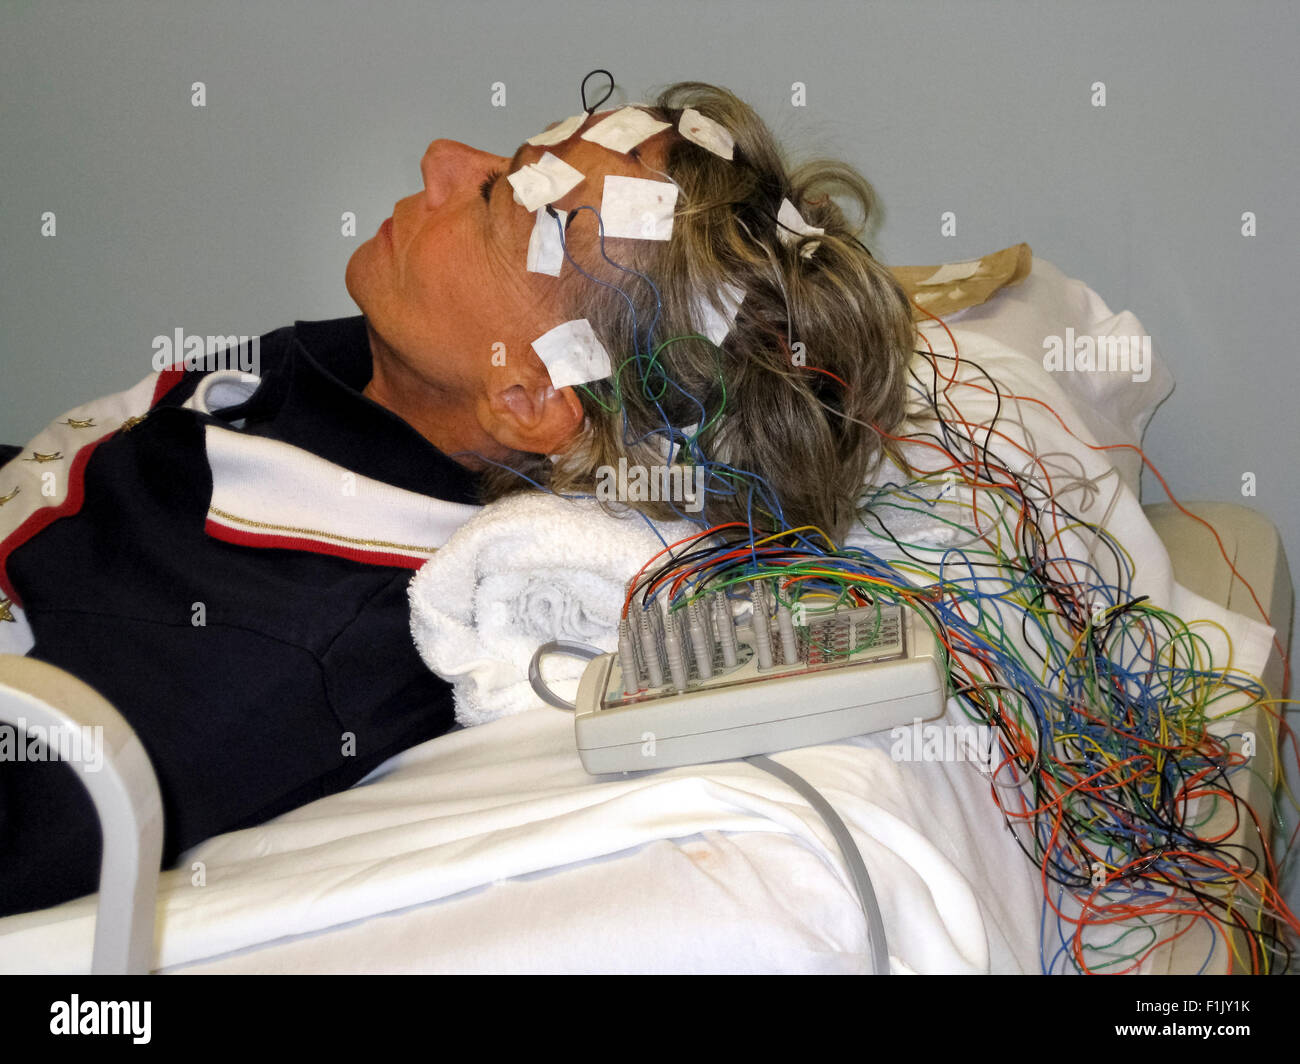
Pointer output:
x,y
721,868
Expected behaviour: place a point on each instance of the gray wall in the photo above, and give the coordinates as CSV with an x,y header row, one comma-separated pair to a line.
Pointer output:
x,y
226,219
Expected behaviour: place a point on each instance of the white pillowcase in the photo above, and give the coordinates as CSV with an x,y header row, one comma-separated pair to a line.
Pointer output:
x,y
1111,405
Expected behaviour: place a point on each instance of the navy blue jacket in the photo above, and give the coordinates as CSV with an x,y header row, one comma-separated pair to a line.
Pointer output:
x,y
262,665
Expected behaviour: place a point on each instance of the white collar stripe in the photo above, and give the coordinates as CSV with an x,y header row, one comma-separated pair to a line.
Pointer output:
x,y
269,493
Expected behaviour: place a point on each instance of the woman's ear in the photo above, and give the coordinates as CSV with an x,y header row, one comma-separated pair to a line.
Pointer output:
x,y
533,417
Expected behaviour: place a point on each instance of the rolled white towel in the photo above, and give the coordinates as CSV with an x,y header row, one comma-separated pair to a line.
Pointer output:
x,y
523,571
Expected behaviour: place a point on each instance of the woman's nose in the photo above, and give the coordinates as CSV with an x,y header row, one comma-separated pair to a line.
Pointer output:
x,y
449,166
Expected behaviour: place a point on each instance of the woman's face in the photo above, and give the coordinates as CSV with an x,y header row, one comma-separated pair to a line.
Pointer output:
x,y
444,279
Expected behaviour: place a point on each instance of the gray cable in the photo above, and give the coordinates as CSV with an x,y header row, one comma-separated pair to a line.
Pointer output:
x,y
556,646
848,848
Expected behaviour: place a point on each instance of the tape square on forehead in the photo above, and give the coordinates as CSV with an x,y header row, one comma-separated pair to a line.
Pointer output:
x,y
637,208
705,132
572,354
624,129
546,243
558,133
545,181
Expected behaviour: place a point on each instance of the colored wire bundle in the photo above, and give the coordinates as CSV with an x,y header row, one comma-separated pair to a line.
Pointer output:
x,y
1116,751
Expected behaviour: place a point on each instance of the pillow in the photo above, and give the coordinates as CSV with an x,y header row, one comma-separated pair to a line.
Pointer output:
x,y
1056,321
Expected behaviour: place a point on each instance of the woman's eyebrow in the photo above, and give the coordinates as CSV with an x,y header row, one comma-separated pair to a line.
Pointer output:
x,y
513,165
514,159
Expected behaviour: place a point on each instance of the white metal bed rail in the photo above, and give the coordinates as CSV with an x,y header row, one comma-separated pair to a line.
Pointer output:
x,y
121,782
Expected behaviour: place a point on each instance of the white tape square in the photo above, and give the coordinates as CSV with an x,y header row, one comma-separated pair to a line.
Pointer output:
x,y
705,132
671,449
624,129
714,324
545,181
558,133
572,354
790,217
546,243
637,208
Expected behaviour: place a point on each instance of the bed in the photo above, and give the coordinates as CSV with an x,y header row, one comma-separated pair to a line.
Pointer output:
x,y
489,849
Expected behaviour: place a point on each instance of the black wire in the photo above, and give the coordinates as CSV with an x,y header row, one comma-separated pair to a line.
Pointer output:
x,y
583,90
1141,829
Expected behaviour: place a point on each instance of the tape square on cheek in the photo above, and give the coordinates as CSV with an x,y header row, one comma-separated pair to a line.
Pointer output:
x,y
558,133
572,354
624,129
545,181
546,243
637,208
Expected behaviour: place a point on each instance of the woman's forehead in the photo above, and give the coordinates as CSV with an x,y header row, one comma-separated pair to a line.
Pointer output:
x,y
593,160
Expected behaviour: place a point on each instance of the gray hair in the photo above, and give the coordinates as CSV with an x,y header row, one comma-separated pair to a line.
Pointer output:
x,y
811,429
